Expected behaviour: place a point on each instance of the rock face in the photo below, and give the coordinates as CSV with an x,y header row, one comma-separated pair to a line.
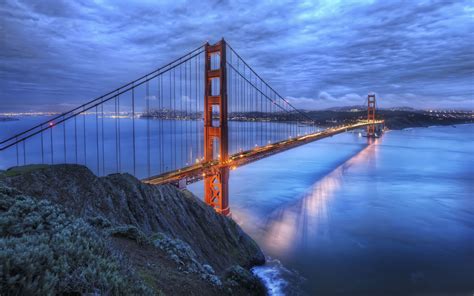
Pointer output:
x,y
217,241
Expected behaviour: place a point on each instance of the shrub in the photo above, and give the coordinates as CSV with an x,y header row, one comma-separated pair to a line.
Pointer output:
x,y
244,278
43,251
99,222
131,232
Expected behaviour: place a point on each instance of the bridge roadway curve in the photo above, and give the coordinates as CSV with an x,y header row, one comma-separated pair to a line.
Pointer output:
x,y
200,170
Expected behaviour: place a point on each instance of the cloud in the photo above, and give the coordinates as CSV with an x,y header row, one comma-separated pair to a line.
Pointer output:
x,y
325,100
330,52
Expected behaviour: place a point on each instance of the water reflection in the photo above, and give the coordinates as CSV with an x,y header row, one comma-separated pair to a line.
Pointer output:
x,y
295,225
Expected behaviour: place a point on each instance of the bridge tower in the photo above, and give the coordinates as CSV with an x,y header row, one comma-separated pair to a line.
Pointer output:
x,y
216,183
371,115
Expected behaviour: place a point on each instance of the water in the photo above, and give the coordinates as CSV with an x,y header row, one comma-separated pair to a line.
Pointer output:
x,y
105,145
339,216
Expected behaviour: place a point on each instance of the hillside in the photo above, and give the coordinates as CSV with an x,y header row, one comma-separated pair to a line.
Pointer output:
x,y
171,242
394,119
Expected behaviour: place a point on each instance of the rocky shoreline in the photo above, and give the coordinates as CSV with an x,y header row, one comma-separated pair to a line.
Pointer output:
x,y
87,234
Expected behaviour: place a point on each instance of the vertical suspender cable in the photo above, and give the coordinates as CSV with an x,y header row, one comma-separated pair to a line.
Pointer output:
x,y
64,142
119,136
169,130
161,102
42,145
189,156
116,138
173,121
245,111
241,123
75,136
185,111
97,137
159,138
17,156
85,138
181,113
230,107
185,160
133,133
148,129
103,141
24,152
196,108
52,147
261,115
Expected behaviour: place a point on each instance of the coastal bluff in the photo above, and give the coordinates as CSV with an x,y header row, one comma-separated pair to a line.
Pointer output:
x,y
167,239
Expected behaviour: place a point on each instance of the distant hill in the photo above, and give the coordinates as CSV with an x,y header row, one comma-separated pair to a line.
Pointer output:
x,y
347,108
364,107
394,119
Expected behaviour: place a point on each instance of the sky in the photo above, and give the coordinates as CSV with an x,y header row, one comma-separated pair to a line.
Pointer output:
x,y
57,54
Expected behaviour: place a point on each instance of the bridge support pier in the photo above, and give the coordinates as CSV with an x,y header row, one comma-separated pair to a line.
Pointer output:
x,y
216,183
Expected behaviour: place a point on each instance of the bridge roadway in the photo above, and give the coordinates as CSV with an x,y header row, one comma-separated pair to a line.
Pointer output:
x,y
199,170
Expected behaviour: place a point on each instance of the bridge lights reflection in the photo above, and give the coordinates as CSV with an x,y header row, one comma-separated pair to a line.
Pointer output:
x,y
301,220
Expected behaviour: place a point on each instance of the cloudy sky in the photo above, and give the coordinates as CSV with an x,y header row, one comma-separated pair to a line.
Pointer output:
x,y
55,54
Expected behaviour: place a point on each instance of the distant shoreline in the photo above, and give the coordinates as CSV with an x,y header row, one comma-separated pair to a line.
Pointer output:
x,y
434,126
394,119
4,119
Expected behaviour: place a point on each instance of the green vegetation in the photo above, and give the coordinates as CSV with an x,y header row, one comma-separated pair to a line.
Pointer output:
x,y
43,251
14,171
237,275
130,232
64,231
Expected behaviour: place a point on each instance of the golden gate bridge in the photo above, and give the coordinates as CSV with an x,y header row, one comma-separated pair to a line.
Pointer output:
x,y
207,112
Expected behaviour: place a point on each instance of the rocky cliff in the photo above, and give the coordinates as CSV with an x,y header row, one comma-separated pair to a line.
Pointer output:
x,y
172,240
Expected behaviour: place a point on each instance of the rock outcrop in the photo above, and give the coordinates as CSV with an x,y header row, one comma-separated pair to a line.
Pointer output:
x,y
179,233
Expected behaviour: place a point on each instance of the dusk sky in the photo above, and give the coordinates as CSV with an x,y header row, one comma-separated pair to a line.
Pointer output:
x,y
57,54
